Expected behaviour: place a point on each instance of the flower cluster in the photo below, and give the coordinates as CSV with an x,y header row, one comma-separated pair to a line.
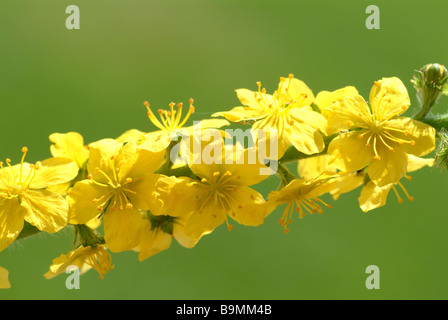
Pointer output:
x,y
139,191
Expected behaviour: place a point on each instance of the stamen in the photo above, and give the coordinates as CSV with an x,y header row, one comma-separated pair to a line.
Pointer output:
x,y
410,198
98,170
389,147
152,117
376,157
24,150
400,200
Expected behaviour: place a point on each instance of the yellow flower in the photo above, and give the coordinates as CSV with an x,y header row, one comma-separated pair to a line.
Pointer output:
x,y
372,196
170,126
85,258
288,111
379,138
158,232
23,196
301,195
71,146
4,279
220,189
121,181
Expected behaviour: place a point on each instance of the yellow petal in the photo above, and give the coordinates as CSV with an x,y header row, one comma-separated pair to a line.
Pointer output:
x,y
347,112
142,193
45,210
326,98
349,153
305,127
122,229
132,135
81,199
156,141
347,182
137,163
295,90
389,169
422,134
253,99
4,279
173,196
247,206
54,171
181,237
11,221
204,221
373,196
75,257
246,165
239,114
101,154
276,130
389,98
152,241
69,145
416,163
311,167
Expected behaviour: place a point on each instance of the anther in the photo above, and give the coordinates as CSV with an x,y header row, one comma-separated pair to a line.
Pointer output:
x,y
129,206
290,76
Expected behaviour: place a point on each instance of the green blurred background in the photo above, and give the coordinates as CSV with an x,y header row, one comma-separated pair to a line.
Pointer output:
x,y
94,81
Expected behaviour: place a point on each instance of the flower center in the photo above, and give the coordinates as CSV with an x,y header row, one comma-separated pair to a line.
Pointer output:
x,y
279,102
116,194
219,189
16,183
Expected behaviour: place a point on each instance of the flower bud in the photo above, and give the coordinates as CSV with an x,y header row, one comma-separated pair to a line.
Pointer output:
x,y
429,82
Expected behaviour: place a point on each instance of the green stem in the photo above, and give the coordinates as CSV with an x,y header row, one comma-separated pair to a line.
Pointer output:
x,y
439,122
285,175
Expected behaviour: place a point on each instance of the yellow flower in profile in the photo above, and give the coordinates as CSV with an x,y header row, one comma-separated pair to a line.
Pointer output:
x,y
311,168
378,137
71,146
288,111
373,197
24,196
299,195
121,181
171,127
4,279
85,258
